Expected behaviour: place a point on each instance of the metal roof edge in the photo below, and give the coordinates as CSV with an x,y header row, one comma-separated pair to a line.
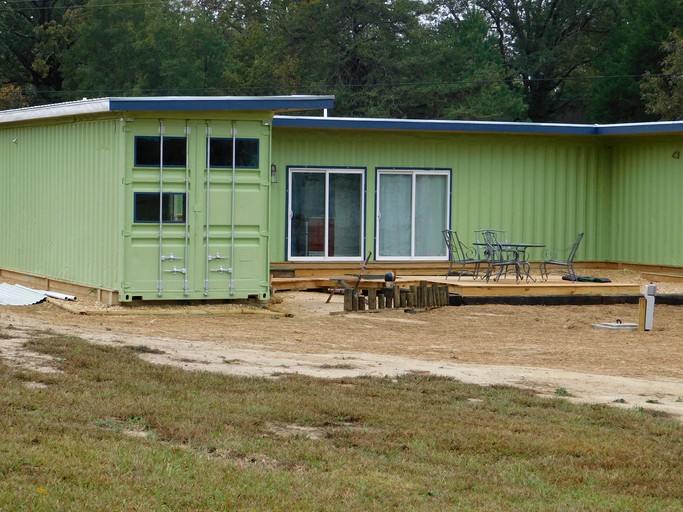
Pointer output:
x,y
203,103
166,103
641,128
661,127
433,125
56,110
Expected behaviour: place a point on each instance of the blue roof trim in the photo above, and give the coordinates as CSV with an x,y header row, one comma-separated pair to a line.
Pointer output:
x,y
427,125
641,128
199,103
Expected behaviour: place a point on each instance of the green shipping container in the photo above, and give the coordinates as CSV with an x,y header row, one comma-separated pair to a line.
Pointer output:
x,y
146,198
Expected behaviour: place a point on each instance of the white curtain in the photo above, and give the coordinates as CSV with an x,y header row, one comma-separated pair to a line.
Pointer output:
x,y
395,198
413,208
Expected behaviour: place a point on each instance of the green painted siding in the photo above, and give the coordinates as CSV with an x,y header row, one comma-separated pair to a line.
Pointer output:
x,y
61,201
67,206
538,188
646,208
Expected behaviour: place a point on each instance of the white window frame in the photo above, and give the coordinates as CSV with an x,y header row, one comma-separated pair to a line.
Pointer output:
x,y
290,214
414,173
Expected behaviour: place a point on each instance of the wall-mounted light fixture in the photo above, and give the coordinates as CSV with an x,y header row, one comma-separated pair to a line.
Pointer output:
x,y
676,155
273,173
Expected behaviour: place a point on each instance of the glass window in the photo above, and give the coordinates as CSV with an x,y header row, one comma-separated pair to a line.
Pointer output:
x,y
246,153
412,210
326,213
147,207
148,151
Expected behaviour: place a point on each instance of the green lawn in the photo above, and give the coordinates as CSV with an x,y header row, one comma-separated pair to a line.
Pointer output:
x,y
111,432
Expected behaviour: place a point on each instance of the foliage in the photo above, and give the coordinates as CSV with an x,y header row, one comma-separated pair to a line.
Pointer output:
x,y
664,93
541,60
546,44
151,49
34,35
11,96
464,75
633,48
112,432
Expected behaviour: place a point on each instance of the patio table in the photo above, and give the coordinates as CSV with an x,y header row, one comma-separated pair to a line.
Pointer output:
x,y
519,249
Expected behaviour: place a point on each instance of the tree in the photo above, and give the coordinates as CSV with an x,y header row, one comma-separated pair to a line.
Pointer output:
x,y
11,96
462,75
633,48
33,38
545,44
141,48
353,49
664,93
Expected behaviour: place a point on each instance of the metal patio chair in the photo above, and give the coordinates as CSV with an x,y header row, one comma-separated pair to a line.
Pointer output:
x,y
563,259
462,256
503,258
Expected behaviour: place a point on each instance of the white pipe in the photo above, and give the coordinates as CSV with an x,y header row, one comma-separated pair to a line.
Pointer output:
x,y
54,295
60,296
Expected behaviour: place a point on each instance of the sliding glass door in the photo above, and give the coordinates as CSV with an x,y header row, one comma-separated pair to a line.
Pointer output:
x,y
412,211
326,212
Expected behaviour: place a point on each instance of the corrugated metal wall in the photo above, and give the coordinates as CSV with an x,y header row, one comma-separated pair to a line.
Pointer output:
x,y
61,202
647,210
538,188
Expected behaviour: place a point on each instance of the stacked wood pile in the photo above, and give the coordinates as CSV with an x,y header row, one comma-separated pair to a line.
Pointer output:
x,y
424,296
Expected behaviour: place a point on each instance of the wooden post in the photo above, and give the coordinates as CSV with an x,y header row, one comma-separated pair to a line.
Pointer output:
x,y
354,301
438,295
381,299
361,303
403,302
423,295
397,296
372,298
414,291
348,300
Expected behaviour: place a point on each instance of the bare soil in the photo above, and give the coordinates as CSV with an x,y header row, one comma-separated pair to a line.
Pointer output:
x,y
554,350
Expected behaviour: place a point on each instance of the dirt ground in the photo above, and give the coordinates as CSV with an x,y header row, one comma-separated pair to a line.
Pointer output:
x,y
554,350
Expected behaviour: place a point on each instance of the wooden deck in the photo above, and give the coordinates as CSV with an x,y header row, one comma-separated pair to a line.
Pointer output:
x,y
467,287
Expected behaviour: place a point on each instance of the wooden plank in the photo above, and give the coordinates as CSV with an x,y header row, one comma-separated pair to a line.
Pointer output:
x,y
104,295
473,288
662,277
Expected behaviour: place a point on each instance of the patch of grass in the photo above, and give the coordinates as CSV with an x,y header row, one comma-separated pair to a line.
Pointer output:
x,y
144,349
212,442
562,392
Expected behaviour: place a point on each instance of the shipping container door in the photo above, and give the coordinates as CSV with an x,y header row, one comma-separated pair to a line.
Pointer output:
x,y
235,222
158,209
193,235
